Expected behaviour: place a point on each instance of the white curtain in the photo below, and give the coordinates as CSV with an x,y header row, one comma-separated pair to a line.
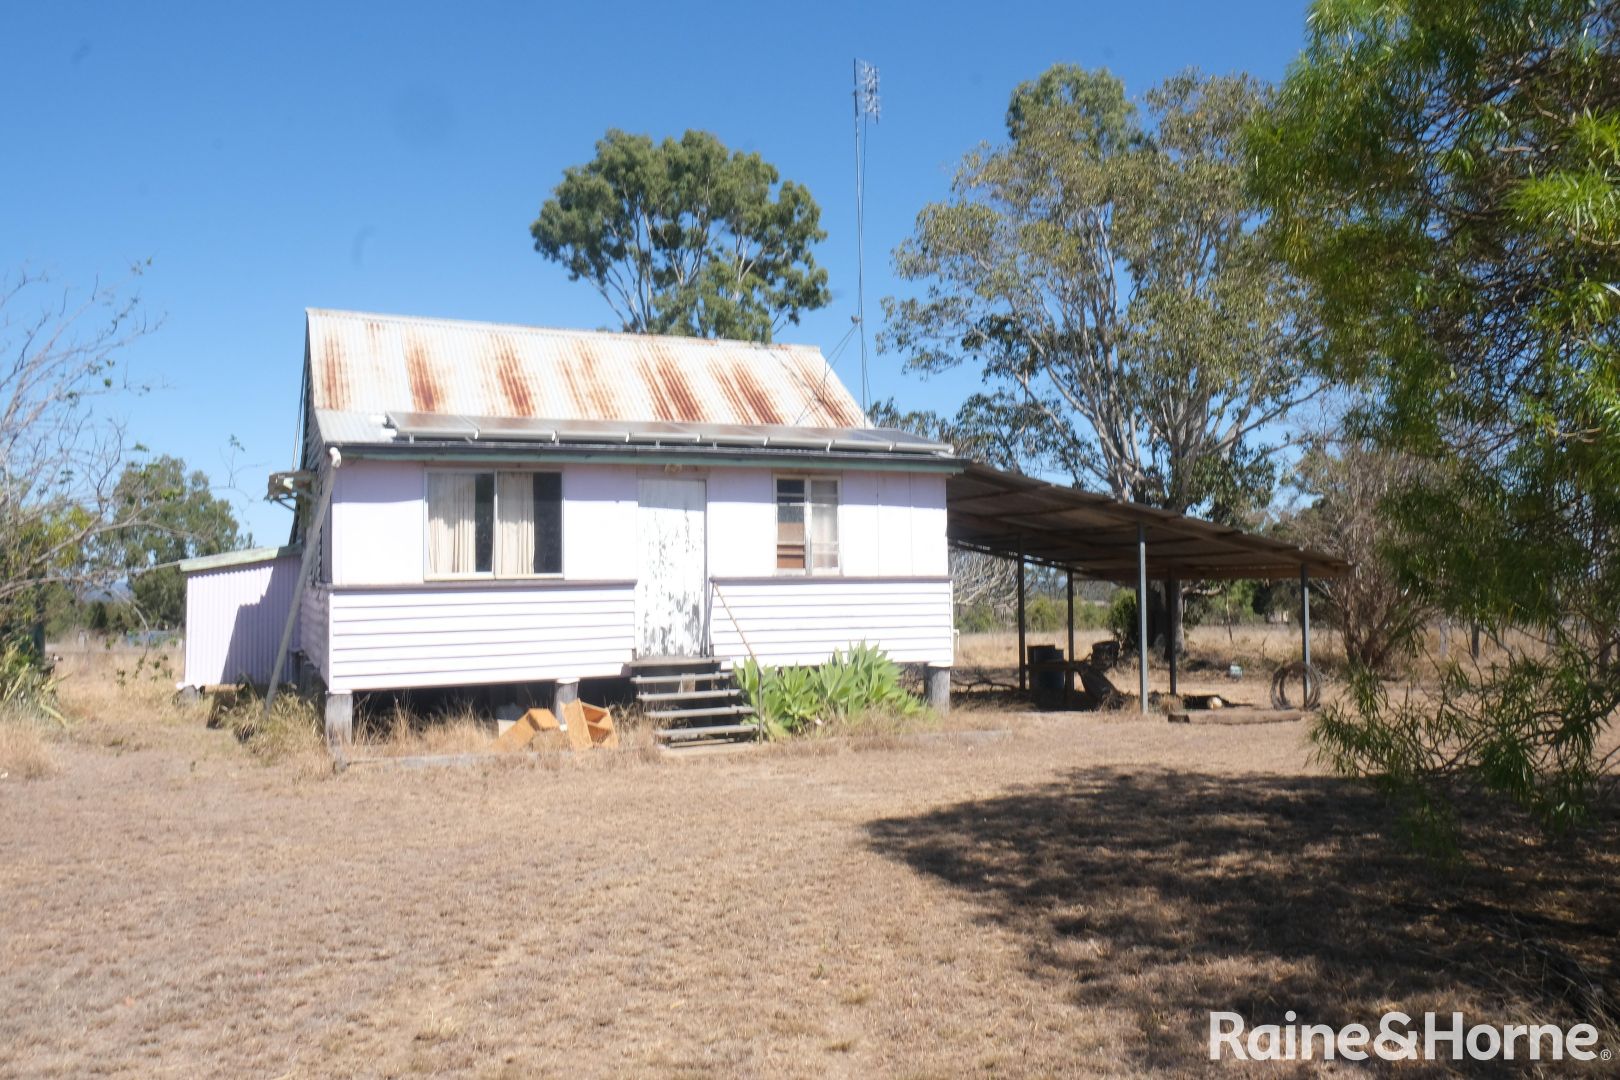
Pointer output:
x,y
514,540
824,524
452,531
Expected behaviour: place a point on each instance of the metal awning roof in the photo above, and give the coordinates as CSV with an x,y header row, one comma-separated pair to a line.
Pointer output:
x,y
245,557
1006,514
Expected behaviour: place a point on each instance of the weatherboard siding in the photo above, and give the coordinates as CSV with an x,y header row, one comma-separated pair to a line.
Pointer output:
x,y
803,620
381,625
464,636
234,621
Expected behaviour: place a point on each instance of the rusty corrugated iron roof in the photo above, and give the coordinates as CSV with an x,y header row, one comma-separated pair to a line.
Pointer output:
x,y
364,363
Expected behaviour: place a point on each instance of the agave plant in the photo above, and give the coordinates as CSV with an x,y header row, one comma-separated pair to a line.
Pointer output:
x,y
790,699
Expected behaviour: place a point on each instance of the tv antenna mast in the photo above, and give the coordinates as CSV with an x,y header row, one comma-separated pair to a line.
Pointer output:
x,y
867,107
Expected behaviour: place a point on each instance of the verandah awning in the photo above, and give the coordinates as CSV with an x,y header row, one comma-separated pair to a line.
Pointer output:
x,y
1096,537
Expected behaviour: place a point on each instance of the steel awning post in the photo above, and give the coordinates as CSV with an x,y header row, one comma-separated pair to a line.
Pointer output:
x,y
1172,633
1023,658
1305,618
1068,671
1141,613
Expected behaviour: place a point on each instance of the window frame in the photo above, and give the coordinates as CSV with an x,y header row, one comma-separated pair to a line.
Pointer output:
x,y
809,568
495,519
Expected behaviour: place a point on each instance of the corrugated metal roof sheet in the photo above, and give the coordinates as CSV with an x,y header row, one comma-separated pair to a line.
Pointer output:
x,y
243,557
374,364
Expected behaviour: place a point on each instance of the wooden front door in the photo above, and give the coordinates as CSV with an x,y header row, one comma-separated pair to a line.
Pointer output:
x,y
671,568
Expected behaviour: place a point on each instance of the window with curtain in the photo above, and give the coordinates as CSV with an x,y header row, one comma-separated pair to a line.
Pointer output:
x,y
806,525
508,524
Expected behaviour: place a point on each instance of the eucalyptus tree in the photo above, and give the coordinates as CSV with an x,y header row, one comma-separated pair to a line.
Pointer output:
x,y
1447,174
1107,271
685,237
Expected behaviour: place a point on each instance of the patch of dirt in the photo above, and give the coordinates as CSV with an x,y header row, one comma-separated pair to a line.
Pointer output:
x,y
1069,900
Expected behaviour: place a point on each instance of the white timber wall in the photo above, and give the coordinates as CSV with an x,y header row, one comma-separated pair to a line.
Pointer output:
x,y
894,589
234,620
470,635
889,524
804,620
379,523
382,625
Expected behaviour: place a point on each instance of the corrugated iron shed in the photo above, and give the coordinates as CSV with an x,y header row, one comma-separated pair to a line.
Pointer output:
x,y
374,364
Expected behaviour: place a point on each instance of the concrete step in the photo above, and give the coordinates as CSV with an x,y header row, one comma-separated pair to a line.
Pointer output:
x,y
712,731
686,663
696,714
665,680
716,694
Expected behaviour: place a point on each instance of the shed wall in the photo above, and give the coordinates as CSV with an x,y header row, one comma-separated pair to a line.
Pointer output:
x,y
234,620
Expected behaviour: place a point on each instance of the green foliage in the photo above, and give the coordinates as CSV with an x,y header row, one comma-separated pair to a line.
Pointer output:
x,y
61,352
1106,269
1527,727
1045,614
978,619
1445,172
26,688
1229,603
685,237
179,518
790,700
1123,621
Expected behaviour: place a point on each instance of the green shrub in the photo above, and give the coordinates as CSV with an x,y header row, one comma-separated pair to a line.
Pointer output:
x,y
978,619
791,699
1045,614
1123,622
25,686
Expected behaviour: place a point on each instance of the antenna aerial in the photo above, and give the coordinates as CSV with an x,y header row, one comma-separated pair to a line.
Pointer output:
x,y
867,107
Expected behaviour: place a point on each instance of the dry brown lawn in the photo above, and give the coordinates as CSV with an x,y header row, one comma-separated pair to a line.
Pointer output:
x,y
1070,899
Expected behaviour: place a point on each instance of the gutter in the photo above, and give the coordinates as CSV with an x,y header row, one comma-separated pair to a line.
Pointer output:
x,y
529,452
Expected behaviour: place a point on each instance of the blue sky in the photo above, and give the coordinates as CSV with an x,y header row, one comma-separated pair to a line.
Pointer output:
x,y
390,157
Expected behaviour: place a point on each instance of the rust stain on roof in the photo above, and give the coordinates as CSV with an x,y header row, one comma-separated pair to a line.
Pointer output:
x,y
509,377
671,390
425,390
585,372
655,388
333,389
835,411
751,399
371,363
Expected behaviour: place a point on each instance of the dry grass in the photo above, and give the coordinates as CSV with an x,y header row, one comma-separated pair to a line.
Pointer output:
x,y
464,730
25,753
1069,900
122,698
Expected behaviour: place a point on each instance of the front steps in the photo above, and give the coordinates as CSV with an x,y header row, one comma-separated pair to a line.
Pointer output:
x,y
693,700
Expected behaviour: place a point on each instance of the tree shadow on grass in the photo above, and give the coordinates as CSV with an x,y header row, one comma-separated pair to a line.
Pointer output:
x,y
1169,894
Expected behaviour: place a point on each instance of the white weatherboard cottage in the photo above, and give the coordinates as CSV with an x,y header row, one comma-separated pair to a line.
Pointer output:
x,y
503,504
